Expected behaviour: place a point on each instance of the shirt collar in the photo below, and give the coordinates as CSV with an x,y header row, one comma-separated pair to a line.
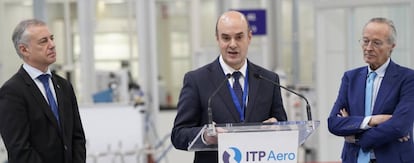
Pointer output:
x,y
229,70
33,72
381,70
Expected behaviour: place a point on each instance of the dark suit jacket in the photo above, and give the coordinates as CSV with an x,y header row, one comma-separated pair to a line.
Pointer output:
x,y
29,129
264,101
395,96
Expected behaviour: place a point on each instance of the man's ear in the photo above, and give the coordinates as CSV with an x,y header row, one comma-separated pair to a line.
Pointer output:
x,y
23,49
250,35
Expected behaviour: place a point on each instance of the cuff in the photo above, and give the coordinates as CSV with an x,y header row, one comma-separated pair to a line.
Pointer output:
x,y
364,125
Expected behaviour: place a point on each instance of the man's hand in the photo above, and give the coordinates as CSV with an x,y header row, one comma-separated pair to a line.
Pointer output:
x,y
212,139
270,120
378,119
343,112
351,138
405,138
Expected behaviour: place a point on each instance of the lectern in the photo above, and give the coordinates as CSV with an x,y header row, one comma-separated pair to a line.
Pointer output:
x,y
257,142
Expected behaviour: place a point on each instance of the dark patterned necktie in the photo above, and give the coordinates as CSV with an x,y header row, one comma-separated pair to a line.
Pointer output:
x,y
237,87
52,102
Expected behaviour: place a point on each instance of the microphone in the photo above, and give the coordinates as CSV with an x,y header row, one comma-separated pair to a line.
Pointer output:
x,y
211,131
308,108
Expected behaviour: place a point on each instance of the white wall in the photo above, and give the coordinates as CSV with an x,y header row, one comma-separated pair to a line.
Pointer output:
x,y
165,123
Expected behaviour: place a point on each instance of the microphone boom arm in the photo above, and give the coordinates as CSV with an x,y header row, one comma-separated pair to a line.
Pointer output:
x,y
308,108
211,131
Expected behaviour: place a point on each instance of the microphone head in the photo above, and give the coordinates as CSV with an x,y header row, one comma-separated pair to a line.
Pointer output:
x,y
228,75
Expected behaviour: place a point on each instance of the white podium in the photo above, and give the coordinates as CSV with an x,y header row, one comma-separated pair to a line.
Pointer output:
x,y
258,142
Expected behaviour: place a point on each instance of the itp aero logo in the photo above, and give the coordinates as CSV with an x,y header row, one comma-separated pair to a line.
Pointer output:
x,y
232,155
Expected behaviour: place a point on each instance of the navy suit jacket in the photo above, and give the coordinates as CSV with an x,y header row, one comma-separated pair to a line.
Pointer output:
x,y
29,129
264,101
395,96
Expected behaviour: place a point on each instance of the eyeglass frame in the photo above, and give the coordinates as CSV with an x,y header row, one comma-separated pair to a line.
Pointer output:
x,y
374,43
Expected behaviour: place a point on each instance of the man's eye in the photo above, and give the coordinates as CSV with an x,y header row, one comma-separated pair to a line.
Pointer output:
x,y
43,40
377,43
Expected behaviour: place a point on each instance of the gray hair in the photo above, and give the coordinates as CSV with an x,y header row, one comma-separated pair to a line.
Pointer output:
x,y
21,35
393,34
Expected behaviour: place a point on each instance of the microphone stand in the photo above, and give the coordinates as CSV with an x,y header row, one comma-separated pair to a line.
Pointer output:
x,y
308,107
211,129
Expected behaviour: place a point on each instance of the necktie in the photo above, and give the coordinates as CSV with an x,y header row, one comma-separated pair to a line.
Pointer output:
x,y
364,157
52,102
237,87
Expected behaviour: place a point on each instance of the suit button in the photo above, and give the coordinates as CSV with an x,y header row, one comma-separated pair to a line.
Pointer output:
x,y
65,147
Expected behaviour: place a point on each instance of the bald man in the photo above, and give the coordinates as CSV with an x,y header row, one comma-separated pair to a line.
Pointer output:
x,y
260,101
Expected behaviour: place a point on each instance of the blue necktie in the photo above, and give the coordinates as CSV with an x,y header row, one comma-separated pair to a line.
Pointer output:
x,y
364,157
52,102
237,87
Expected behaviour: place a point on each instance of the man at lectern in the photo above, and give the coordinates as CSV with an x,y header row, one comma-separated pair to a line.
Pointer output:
x,y
374,110
229,87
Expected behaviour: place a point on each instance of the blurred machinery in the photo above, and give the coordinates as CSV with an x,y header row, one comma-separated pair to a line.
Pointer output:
x,y
111,86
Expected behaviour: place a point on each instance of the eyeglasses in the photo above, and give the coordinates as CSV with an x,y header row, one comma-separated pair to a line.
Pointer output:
x,y
374,43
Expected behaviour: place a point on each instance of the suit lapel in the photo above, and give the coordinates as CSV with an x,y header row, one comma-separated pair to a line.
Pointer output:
x,y
390,77
38,96
59,97
217,77
360,91
253,89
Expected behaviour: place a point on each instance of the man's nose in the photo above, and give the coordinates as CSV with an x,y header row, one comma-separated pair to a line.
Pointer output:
x,y
370,46
233,43
51,43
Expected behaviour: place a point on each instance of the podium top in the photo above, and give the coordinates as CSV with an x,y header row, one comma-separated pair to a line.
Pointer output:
x,y
274,126
305,129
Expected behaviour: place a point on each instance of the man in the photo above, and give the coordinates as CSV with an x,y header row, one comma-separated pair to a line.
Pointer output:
x,y
374,110
260,102
39,123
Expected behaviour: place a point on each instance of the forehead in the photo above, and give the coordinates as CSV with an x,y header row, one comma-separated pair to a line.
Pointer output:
x,y
376,30
232,24
38,31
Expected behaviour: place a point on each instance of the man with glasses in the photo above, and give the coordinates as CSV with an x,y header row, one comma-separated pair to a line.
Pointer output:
x,y
374,110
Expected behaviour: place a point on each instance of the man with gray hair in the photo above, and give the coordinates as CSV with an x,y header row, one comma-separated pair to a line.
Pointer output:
x,y
39,115
374,110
